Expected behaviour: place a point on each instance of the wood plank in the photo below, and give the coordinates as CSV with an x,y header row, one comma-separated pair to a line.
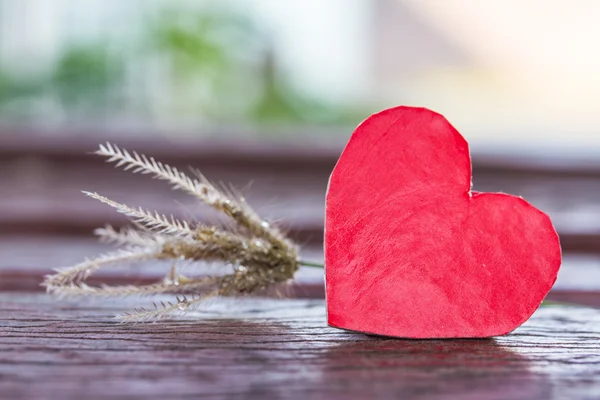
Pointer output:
x,y
256,348
321,145
26,259
307,285
40,185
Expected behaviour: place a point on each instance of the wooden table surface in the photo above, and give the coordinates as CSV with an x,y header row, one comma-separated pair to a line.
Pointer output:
x,y
266,348
281,349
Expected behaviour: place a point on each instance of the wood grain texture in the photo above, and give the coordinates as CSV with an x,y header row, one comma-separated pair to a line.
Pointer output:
x,y
41,178
272,349
257,348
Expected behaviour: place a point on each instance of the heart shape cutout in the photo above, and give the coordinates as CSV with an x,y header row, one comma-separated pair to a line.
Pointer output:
x,y
411,251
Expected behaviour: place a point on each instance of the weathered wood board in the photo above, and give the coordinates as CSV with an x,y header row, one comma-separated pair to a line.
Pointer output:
x,y
275,348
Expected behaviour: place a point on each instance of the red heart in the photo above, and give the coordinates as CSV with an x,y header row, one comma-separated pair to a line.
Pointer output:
x,y
411,252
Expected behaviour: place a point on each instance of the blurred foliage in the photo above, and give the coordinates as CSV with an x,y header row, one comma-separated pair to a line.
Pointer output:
x,y
214,65
201,43
281,103
14,92
83,83
86,78
210,61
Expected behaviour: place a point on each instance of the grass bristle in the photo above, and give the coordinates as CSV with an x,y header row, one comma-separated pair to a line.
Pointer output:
x,y
260,254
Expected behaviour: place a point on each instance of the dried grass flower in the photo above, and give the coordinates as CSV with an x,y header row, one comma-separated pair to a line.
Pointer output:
x,y
258,252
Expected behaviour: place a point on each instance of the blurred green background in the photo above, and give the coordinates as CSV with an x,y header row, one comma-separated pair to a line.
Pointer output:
x,y
505,74
210,63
